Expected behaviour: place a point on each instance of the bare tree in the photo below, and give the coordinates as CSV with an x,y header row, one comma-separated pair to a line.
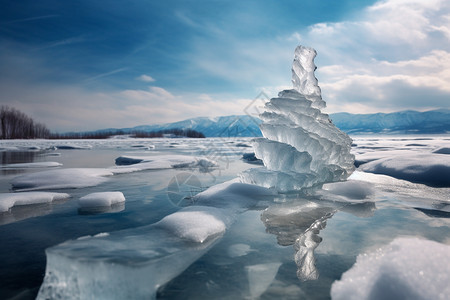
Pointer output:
x,y
14,124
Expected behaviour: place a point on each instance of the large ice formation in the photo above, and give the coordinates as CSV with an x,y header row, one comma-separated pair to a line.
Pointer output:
x,y
301,146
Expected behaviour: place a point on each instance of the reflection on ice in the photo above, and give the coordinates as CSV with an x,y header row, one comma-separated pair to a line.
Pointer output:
x,y
237,250
114,208
305,245
260,277
288,222
299,224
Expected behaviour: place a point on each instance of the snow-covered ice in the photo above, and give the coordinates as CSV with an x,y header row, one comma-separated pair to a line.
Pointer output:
x,y
128,264
348,191
301,146
61,179
233,195
86,177
197,223
430,169
101,199
44,164
9,200
407,268
128,164
143,258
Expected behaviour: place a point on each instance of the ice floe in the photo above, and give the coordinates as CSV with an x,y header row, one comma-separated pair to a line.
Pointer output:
x,y
128,264
44,164
9,200
61,179
101,199
145,258
127,164
407,268
429,169
197,223
73,147
411,194
86,177
348,191
233,194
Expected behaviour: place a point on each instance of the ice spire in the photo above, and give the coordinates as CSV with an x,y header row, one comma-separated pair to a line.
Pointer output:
x,y
301,146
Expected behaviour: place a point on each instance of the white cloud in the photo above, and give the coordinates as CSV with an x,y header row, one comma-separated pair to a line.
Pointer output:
x,y
146,78
394,56
68,108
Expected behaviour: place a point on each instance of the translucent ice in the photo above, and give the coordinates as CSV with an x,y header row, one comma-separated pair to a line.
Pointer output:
x,y
407,268
301,146
260,277
128,264
133,263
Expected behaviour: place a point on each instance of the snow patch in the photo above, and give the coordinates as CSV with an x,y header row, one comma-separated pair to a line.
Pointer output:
x,y
101,199
233,194
429,169
9,200
407,268
197,223
61,179
133,163
44,164
347,191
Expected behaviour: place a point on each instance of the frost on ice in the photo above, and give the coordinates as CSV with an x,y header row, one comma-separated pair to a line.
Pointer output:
x,y
301,146
407,268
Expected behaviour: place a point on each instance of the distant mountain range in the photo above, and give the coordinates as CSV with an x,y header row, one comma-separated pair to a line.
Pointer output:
x,y
227,126
404,122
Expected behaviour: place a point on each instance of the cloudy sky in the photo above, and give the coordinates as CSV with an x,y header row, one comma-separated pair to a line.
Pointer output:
x,y
83,65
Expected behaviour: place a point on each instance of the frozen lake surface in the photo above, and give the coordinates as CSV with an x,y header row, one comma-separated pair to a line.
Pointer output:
x,y
133,218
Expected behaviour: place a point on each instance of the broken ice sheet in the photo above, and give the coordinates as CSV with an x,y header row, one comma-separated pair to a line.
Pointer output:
x,y
128,264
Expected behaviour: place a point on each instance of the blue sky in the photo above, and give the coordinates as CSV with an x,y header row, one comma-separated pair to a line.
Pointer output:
x,y
82,65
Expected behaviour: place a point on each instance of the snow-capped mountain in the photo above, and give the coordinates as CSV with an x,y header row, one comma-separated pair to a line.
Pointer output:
x,y
404,122
226,126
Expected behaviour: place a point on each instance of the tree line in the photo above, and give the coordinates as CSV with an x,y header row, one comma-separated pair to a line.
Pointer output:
x,y
190,133
14,124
